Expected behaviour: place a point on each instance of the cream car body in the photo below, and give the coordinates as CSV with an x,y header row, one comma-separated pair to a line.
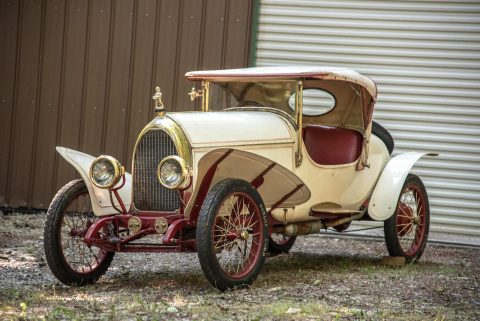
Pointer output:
x,y
342,185
289,151
260,138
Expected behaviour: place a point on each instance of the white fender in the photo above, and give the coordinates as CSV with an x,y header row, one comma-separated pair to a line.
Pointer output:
x,y
385,196
100,198
278,181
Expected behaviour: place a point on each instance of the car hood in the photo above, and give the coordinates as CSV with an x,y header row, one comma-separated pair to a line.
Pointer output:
x,y
233,128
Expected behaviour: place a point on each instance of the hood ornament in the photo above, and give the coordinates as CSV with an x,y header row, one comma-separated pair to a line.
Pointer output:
x,y
157,98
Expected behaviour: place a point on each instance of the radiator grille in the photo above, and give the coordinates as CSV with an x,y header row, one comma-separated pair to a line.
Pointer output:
x,y
148,193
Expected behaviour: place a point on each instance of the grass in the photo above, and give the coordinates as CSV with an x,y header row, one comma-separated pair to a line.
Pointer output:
x,y
149,295
210,309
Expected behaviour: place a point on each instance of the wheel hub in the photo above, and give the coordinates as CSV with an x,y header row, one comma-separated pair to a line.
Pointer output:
x,y
245,235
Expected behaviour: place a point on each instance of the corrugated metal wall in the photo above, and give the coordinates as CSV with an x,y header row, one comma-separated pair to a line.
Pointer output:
x,y
425,58
81,74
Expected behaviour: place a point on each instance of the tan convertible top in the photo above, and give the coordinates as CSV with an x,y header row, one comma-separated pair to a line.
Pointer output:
x,y
285,73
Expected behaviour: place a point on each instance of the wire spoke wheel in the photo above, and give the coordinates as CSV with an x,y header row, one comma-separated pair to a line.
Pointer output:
x,y
76,220
68,219
232,234
406,232
236,236
279,243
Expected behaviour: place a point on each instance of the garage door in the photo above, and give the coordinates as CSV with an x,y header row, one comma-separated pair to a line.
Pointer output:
x,y
425,58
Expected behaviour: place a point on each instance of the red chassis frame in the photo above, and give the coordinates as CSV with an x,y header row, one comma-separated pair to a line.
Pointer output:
x,y
179,236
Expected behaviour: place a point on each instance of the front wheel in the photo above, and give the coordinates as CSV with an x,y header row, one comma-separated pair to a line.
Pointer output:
x,y
68,219
406,231
232,234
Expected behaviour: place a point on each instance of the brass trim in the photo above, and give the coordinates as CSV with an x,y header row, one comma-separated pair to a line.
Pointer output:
x,y
118,168
174,131
195,94
299,120
161,225
134,225
185,172
182,144
204,93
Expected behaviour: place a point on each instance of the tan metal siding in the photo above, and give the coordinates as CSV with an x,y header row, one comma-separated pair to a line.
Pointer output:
x,y
81,74
425,58
25,106
114,136
70,107
9,17
48,99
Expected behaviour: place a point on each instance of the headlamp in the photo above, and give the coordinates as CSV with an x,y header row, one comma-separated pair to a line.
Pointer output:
x,y
106,171
172,172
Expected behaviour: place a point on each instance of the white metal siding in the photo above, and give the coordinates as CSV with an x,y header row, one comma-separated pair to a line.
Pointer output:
x,y
425,58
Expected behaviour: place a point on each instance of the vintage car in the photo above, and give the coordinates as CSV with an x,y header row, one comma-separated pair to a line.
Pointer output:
x,y
275,152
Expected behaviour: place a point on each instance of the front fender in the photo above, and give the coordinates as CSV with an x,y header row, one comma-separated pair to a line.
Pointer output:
x,y
99,197
385,196
276,183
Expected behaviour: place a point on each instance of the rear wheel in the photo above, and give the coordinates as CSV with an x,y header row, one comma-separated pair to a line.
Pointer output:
x,y
68,219
406,231
279,243
379,131
232,234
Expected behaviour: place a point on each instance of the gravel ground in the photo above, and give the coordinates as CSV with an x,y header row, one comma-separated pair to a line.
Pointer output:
x,y
323,278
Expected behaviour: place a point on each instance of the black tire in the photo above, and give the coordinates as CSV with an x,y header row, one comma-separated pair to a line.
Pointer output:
x,y
411,216
283,245
379,131
56,252
212,246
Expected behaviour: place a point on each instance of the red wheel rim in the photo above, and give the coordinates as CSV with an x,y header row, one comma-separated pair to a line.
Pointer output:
x,y
237,235
76,219
411,219
279,238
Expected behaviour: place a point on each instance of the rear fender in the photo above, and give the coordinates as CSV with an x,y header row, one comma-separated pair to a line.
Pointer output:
x,y
99,197
385,196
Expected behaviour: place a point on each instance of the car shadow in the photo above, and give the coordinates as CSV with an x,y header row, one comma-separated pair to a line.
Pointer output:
x,y
274,264
319,262
283,265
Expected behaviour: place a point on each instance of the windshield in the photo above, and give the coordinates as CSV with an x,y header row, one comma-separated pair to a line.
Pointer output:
x,y
335,103
252,94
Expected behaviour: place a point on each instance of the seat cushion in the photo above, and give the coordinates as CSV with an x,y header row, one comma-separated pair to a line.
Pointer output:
x,y
331,145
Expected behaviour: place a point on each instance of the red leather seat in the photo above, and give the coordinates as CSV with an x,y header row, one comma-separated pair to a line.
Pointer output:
x,y
331,145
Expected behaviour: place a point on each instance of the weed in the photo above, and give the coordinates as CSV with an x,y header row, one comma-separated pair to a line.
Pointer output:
x,y
63,313
23,313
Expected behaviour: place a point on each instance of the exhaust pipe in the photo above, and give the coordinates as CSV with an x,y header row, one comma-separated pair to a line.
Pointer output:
x,y
303,228
311,227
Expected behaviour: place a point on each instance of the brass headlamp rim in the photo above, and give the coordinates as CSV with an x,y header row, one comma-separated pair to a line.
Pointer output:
x,y
185,181
119,171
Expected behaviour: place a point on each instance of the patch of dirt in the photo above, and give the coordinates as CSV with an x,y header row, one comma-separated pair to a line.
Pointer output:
x,y
323,278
